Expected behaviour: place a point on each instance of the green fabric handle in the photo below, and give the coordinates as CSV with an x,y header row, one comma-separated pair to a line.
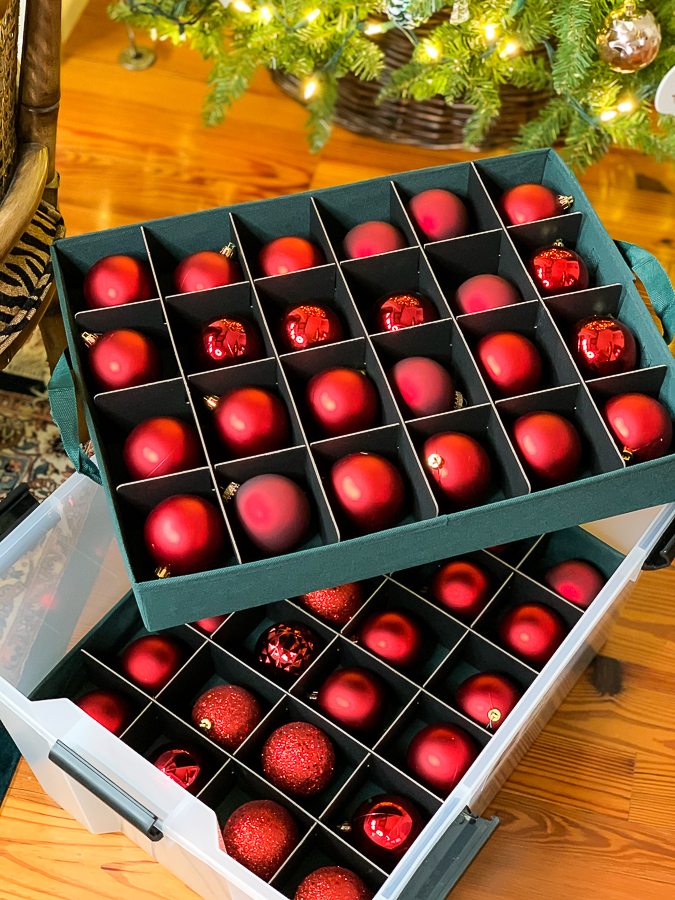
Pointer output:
x,y
657,284
63,401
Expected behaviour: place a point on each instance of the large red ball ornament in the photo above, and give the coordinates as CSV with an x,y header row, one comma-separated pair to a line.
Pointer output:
x,y
184,534
532,631
115,280
182,766
123,358
332,883
550,445
603,346
210,624
341,401
108,708
371,238
511,362
396,636
354,698
161,446
439,214
152,661
306,324
459,466
204,270
250,420
558,270
641,426
289,254
423,387
369,490
385,827
273,511
487,698
576,580
485,292
440,755
226,714
462,587
229,340
402,310
260,835
299,759
531,202
336,605
286,650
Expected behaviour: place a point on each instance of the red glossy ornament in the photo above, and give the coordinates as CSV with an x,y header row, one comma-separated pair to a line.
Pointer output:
x,y
641,425
531,202
260,835
289,254
485,292
286,650
226,714
210,624
511,362
402,310
273,511
395,636
342,400
354,698
161,446
307,324
462,587
423,387
250,420
332,883
335,605
550,445
459,466
115,280
439,214
123,358
371,238
440,754
108,708
204,270
558,270
532,631
299,759
184,534
182,766
603,346
385,827
487,698
152,661
229,340
369,490
576,580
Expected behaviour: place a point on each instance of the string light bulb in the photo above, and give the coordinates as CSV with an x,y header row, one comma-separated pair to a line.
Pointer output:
x,y
608,114
626,106
314,14
431,50
373,28
490,31
509,49
241,6
311,87
265,14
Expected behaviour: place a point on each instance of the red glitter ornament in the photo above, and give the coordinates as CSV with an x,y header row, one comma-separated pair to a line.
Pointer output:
x,y
226,714
403,309
369,490
116,280
641,426
250,420
161,446
395,636
511,362
152,661
229,340
184,534
342,400
423,387
459,466
462,587
385,827
576,580
371,238
532,631
210,624
332,883
306,324
273,511
182,766
558,270
485,292
298,758
354,698
531,202
205,270
286,649
335,605
289,254
603,346
260,835
108,708
487,698
550,446
439,214
440,755
122,359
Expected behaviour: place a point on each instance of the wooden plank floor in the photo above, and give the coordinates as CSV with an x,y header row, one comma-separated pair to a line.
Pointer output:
x,y
590,811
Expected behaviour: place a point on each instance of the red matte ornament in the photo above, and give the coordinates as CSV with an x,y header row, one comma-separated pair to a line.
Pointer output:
x,y
532,631
439,214
273,511
462,587
260,835
395,636
298,758
226,714
423,387
116,280
182,766
354,698
307,324
459,466
385,827
485,292
336,605
286,649
289,254
341,401
550,445
641,426
152,661
531,202
440,754
558,270
403,309
123,358
161,446
487,698
371,238
229,340
210,624
332,883
603,346
511,362
250,420
576,580
184,534
369,490
108,708
205,270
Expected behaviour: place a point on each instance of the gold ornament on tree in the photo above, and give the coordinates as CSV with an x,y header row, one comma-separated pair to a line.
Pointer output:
x,y
631,39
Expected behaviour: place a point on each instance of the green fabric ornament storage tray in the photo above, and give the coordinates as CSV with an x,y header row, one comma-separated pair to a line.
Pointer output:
x,y
428,530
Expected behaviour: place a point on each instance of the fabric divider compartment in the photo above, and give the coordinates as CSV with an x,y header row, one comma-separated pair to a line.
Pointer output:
x,y
570,543
567,309
534,167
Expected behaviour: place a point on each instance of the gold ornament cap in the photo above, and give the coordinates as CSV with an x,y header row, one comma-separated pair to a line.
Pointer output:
x,y
494,715
434,460
566,201
459,400
163,572
205,724
230,491
229,251
558,243
90,338
211,401
627,455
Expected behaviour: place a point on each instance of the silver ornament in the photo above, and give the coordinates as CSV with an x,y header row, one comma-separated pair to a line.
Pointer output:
x,y
631,39
412,13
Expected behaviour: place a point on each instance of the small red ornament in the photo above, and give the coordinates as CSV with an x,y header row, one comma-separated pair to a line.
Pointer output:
x,y
335,605
354,698
550,445
641,425
423,387
115,280
395,636
210,624
306,324
273,511
123,358
385,827
439,214
299,759
260,835
341,401
161,446
286,649
402,310
460,467
603,346
229,340
440,755
462,587
184,534
576,580
250,420
532,631
531,202
558,270
371,238
226,714
182,766
204,270
289,254
487,698
511,362
152,661
485,292
108,708
369,490
332,883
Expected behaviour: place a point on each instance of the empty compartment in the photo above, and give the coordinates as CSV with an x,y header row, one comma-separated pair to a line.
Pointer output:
x,y
513,552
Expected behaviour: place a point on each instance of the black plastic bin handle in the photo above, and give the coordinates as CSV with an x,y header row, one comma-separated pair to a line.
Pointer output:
x,y
105,789
663,553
